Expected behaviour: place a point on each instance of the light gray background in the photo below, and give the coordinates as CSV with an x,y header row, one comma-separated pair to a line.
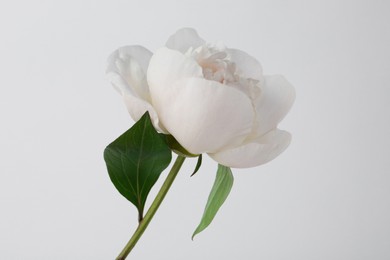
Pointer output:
x,y
326,197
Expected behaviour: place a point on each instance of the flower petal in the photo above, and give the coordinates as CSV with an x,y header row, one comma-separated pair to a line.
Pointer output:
x,y
126,70
276,98
137,108
183,39
203,115
127,67
255,153
247,66
168,66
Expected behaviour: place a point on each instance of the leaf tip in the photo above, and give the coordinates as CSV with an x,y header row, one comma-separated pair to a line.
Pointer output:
x,y
193,235
198,164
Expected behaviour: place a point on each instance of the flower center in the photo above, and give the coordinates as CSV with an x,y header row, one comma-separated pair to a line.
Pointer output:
x,y
215,63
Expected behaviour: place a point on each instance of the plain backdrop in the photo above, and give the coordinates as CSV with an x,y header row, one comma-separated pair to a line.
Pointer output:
x,y
326,197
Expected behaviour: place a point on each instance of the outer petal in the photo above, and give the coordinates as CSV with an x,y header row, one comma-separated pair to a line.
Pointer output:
x,y
127,67
137,108
183,39
258,152
276,98
203,115
248,66
126,70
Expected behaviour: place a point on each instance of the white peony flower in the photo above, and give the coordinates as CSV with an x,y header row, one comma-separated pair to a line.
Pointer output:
x,y
211,98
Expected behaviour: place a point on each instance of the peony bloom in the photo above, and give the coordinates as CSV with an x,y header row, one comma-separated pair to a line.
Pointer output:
x,y
211,98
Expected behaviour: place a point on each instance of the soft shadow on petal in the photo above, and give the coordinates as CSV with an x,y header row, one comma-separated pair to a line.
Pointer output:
x,y
248,66
276,98
137,108
258,152
203,115
183,39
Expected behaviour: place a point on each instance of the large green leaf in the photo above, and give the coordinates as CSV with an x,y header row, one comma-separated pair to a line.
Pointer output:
x,y
135,160
222,185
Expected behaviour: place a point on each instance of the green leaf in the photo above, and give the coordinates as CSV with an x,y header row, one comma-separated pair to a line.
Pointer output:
x,y
135,160
176,147
198,164
222,185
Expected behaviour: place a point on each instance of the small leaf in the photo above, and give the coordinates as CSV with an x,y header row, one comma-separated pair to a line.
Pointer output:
x,y
176,146
135,160
198,164
222,185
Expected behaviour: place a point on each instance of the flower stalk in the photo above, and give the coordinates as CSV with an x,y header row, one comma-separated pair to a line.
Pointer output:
x,y
143,224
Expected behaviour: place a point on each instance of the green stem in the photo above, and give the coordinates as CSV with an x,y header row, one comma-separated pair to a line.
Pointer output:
x,y
153,208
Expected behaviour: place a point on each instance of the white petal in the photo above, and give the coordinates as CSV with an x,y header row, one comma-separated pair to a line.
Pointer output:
x,y
126,70
183,39
258,152
248,66
168,66
127,67
137,108
276,98
203,115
